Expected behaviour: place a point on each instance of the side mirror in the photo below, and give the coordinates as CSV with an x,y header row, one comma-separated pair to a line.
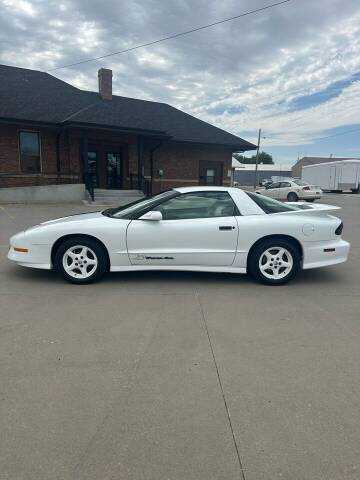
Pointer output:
x,y
154,216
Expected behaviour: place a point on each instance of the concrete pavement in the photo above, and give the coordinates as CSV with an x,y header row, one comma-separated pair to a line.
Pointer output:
x,y
130,378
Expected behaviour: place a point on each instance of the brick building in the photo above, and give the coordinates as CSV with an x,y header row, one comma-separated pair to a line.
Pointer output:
x,y
53,133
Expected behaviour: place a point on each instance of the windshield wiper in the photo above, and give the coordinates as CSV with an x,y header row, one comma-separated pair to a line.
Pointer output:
x,y
108,212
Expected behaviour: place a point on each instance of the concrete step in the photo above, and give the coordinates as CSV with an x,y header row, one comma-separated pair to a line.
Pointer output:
x,y
114,197
117,193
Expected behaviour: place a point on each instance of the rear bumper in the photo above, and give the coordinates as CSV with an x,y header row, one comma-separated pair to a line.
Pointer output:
x,y
309,195
315,256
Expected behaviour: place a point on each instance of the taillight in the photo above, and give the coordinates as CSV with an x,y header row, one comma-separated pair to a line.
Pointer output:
x,y
306,188
339,229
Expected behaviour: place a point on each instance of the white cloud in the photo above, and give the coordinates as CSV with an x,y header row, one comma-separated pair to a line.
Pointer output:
x,y
240,75
22,7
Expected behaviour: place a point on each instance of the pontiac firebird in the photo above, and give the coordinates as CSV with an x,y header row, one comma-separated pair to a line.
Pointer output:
x,y
208,229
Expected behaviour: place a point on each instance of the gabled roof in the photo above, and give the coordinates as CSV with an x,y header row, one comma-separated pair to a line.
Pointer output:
x,y
30,95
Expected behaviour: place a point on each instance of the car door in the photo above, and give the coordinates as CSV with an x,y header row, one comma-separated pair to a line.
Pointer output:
x,y
272,190
197,228
284,190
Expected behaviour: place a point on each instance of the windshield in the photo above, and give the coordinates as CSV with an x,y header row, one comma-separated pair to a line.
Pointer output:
x,y
130,209
269,205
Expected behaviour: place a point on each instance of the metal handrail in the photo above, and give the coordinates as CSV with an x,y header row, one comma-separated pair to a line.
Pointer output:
x,y
143,182
89,186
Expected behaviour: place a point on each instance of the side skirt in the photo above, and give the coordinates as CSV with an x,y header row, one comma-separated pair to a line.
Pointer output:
x,y
186,268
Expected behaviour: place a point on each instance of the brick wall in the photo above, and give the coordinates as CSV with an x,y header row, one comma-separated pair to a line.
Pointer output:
x,y
179,161
10,169
180,164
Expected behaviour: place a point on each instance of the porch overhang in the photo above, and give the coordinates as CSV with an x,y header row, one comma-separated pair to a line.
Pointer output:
x,y
156,134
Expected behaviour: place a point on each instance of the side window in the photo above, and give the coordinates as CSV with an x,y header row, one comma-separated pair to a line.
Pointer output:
x,y
198,205
269,205
285,185
210,176
274,185
29,146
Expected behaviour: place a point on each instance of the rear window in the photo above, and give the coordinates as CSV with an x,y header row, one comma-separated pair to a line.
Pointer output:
x,y
269,205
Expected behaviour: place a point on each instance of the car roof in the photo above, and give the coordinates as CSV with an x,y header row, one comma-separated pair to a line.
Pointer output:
x,y
206,189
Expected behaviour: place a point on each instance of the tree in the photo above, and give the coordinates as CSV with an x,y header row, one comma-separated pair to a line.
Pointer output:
x,y
264,158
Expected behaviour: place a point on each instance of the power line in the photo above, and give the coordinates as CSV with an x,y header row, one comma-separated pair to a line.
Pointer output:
x,y
176,35
337,134
319,139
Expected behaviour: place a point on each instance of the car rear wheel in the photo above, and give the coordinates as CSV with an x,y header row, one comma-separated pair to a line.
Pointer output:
x,y
81,260
310,199
274,262
292,197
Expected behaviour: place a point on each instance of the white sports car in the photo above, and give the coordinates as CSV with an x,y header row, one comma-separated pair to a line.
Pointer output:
x,y
211,229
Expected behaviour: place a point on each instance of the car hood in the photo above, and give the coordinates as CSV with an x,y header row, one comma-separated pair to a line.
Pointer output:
x,y
71,218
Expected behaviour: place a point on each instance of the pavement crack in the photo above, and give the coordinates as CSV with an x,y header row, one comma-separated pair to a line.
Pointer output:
x,y
241,467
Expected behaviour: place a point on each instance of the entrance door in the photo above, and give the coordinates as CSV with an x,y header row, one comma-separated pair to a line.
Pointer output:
x,y
113,170
210,173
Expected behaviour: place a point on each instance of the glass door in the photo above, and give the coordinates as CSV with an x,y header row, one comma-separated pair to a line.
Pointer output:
x,y
113,170
93,170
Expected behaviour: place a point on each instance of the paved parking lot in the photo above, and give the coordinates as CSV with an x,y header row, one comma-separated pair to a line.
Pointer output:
x,y
136,377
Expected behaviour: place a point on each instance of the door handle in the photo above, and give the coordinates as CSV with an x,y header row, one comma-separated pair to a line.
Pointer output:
x,y
227,227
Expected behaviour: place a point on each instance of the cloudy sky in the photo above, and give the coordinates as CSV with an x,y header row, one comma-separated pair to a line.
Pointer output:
x,y
293,70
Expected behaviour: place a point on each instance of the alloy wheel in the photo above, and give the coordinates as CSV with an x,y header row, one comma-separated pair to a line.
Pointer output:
x,y
80,262
276,263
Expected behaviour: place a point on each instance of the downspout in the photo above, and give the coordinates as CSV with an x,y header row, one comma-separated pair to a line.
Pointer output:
x,y
152,164
140,149
58,162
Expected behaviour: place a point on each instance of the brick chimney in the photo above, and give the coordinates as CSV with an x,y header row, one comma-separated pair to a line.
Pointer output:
x,y
105,83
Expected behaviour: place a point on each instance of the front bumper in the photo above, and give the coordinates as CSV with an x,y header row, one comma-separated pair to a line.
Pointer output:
x,y
37,256
315,256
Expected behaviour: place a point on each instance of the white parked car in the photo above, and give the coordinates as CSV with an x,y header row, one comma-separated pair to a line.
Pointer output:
x,y
291,190
211,229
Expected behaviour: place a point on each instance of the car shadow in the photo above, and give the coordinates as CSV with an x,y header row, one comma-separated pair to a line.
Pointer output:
x,y
328,276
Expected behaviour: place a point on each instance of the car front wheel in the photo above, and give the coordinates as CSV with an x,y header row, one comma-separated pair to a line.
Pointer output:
x,y
274,262
81,260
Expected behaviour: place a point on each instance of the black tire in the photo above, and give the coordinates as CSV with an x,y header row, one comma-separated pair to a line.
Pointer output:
x,y
310,199
95,252
292,197
256,256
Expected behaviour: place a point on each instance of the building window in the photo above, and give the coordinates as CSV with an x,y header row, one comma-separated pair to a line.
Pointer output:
x,y
29,145
210,176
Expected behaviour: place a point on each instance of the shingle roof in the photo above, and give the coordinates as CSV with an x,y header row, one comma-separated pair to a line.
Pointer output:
x,y
30,95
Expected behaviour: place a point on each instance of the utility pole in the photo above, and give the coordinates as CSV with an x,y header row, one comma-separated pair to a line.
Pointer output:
x,y
257,161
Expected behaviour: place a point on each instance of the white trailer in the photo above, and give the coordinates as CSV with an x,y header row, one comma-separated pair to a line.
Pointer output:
x,y
334,176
